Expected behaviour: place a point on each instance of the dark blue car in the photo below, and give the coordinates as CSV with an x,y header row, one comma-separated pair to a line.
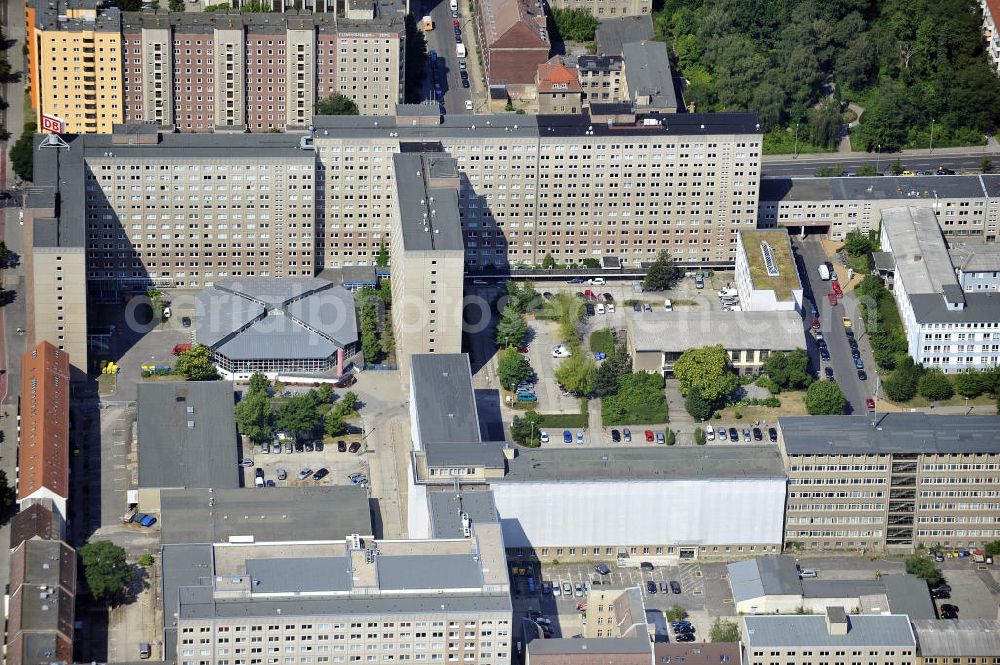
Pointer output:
x,y
567,436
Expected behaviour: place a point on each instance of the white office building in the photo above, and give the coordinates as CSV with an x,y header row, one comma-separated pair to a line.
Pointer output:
x,y
946,327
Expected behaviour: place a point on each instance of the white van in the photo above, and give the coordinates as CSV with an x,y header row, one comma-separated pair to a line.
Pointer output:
x,y
709,433
454,5
667,305
807,573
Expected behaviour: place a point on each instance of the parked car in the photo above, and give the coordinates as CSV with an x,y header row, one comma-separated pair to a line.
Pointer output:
x,y
862,375
616,436
815,324
832,297
870,403
575,280
321,474
358,479
651,587
543,437
722,434
561,351
828,371
684,637
269,483
675,586
746,435
709,433
308,446
341,446
596,281
142,519
734,436
602,569
646,565
282,474
847,322
246,461
649,436
663,587
265,448
578,590
699,282
355,447
590,309
757,434
579,437
636,307
772,435
627,435
318,445
186,321
859,363
567,436
305,473
600,308
660,438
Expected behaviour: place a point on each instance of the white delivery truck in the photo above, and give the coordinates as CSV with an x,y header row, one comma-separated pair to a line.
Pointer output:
x,y
454,5
460,50
824,272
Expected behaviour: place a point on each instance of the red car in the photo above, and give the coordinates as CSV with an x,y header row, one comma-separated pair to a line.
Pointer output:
x,y
455,22
870,403
836,288
815,324
649,435
832,297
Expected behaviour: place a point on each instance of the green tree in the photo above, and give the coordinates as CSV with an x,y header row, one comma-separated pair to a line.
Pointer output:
x,y
253,415
512,329
525,429
105,569
382,258
208,8
700,438
901,385
348,403
934,385
824,398
297,415
724,630
986,166
22,153
992,548
576,373
324,394
970,383
918,564
336,104
195,364
8,495
176,5
897,167
857,243
608,373
675,613
513,368
156,302
577,25
258,384
866,170
334,424
548,262
699,407
789,370
663,274
708,370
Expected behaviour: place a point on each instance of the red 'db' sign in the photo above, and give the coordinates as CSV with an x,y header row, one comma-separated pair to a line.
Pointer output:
x,y
51,123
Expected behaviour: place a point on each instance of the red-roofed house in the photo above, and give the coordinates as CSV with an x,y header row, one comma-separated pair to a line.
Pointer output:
x,y
514,40
991,19
43,460
559,89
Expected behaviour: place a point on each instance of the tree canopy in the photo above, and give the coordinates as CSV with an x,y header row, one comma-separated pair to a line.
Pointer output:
x,y
934,385
298,415
789,370
576,373
708,370
824,398
512,329
196,364
22,153
906,62
699,407
513,368
663,274
918,564
105,569
724,630
577,25
336,104
253,415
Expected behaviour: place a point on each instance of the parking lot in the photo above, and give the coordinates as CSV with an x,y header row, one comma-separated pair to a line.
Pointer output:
x,y
340,466
542,338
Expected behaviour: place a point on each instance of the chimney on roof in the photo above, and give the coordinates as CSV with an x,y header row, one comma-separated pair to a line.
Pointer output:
x,y
836,621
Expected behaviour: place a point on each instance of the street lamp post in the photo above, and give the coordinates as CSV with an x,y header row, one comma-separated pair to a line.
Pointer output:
x,y
931,148
878,158
795,150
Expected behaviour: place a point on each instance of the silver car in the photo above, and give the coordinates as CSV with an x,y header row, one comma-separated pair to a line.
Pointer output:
x,y
305,473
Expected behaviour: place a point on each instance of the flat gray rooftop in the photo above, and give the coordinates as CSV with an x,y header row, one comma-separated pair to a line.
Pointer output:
x,y
647,69
672,332
187,435
975,256
958,637
278,514
876,188
429,216
772,575
890,630
59,178
918,248
446,508
443,398
895,433
541,127
654,463
219,148
321,574
981,307
613,33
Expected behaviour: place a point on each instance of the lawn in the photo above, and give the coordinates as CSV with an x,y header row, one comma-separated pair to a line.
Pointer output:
x,y
792,404
602,341
641,400
787,277
918,402
563,421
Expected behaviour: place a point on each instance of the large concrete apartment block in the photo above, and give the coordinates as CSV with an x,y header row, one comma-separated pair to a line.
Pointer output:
x,y
204,72
559,185
909,480
966,206
608,8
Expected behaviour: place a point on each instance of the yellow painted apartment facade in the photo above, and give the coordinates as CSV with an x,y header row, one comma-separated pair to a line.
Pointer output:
x,y
76,69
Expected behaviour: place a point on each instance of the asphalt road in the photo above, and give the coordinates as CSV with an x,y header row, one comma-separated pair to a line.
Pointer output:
x,y
810,255
806,165
441,40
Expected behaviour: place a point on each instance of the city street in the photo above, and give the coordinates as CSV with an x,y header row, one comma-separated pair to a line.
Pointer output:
x,y
810,255
956,159
441,40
